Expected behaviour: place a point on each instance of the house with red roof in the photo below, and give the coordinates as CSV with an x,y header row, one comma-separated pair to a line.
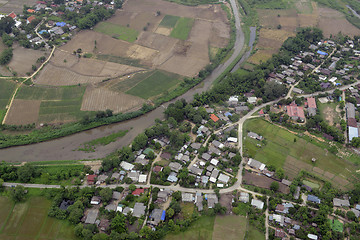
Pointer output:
x,y
30,19
91,179
138,191
311,105
214,117
261,112
295,112
157,169
31,11
12,15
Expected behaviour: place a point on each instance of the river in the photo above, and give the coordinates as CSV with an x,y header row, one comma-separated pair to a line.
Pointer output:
x,y
66,148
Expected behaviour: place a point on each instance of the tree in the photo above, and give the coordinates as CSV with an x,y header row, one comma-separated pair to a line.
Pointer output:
x,y
17,193
6,56
132,187
1,184
25,173
274,186
118,223
106,194
100,236
139,142
170,213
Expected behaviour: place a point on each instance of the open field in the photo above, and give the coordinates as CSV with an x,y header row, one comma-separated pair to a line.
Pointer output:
x,y
281,151
328,112
263,182
7,88
23,112
154,84
182,28
117,31
169,21
233,227
58,104
253,233
8,6
34,222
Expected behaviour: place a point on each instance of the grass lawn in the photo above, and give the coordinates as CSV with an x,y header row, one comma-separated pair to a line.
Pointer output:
x,y
202,229
117,31
90,146
253,233
154,84
336,225
182,28
29,220
280,144
169,21
187,210
233,227
311,184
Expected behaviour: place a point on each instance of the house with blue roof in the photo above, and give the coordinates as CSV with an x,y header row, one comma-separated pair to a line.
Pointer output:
x,y
314,199
156,216
228,114
322,53
60,24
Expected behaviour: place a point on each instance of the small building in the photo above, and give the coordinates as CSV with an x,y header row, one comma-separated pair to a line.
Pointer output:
x,y
134,176
218,144
142,178
172,177
341,202
196,146
314,199
116,195
166,155
175,166
91,216
286,182
157,169
352,132
95,200
256,164
279,233
244,197
212,199
187,197
257,203
223,178
214,117
156,216
206,156
295,112
65,204
111,207
126,166
214,161
214,175
312,236
311,103
298,90
90,179
163,196
115,176
255,136
198,201
139,209
252,100
30,19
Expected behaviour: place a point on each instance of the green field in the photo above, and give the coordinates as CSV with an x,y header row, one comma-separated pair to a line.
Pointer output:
x,y
117,31
58,103
311,184
280,148
182,28
154,84
336,225
253,233
169,21
6,90
29,220
193,2
201,229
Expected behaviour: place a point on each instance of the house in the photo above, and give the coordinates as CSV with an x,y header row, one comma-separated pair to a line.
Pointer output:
x,y
214,175
139,209
198,201
351,122
314,199
312,236
256,164
157,169
12,15
214,117
257,203
115,176
223,178
162,196
279,233
147,151
126,166
138,191
134,176
212,199
175,166
244,197
119,207
142,178
356,212
187,197
341,202
241,109
156,216
297,193
295,112
213,149
353,132
116,195
286,182
90,179
255,136
95,200
214,161
127,210
195,170
91,216
217,144
290,80
111,207
311,103
350,110
357,207
206,156
232,139
30,10
196,146
172,177
204,179
298,90
102,178
30,19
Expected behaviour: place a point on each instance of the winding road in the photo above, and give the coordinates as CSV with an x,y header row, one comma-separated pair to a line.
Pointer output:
x,y
65,148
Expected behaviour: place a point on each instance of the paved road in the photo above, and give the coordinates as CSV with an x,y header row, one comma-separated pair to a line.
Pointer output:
x,y
65,148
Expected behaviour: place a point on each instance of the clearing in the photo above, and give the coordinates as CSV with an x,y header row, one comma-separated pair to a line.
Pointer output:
x,y
329,113
33,219
117,31
281,150
233,227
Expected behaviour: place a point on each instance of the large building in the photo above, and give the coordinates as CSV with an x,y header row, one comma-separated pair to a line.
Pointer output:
x,y
295,112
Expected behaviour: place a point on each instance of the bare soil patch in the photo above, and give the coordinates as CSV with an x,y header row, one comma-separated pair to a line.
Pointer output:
x,y
163,30
23,112
96,99
24,58
333,22
263,182
329,113
226,201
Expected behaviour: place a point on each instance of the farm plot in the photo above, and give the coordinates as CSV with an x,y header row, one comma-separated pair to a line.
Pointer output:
x,y
282,151
117,31
17,6
263,182
169,21
7,88
23,112
34,222
24,58
233,227
96,99
155,84
182,28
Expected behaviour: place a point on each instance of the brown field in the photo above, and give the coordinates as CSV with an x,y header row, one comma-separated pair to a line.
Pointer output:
x,y
96,99
333,22
24,58
23,112
262,181
17,6
261,56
